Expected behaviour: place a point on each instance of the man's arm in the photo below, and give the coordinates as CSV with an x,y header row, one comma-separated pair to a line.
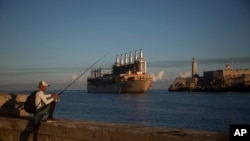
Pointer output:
x,y
44,97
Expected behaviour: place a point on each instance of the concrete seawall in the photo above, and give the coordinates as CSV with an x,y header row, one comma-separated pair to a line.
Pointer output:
x,y
20,128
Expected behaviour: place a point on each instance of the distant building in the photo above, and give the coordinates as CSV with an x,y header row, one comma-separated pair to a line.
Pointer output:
x,y
194,68
227,79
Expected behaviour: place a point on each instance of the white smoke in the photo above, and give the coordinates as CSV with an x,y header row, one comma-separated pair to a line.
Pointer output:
x,y
75,76
72,78
185,74
157,76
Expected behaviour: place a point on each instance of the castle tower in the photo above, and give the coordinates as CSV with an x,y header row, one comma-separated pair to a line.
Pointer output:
x,y
194,68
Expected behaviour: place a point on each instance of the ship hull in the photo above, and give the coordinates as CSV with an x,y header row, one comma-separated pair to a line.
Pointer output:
x,y
132,86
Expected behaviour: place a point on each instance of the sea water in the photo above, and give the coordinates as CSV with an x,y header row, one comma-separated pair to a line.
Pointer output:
x,y
158,108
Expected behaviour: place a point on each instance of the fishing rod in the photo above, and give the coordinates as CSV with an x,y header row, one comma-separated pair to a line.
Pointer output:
x,y
82,74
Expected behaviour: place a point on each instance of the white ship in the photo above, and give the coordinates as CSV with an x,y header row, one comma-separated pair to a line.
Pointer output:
x,y
128,75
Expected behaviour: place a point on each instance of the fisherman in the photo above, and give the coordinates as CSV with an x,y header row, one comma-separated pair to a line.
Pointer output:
x,y
46,103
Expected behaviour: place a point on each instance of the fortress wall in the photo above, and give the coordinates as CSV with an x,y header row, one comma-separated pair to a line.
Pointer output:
x,y
218,75
20,128
232,75
236,72
247,79
210,75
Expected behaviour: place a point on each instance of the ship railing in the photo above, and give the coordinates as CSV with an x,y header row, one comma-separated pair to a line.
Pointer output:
x,y
143,78
100,72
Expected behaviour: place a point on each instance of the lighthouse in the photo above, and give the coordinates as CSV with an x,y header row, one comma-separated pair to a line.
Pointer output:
x,y
194,68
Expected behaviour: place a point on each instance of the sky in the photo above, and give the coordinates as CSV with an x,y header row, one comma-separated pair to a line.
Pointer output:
x,y
56,40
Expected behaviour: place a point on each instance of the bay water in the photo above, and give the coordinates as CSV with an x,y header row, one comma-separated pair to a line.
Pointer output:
x,y
159,108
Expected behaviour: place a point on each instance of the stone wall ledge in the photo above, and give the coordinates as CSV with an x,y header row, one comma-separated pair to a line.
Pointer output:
x,y
12,104
21,129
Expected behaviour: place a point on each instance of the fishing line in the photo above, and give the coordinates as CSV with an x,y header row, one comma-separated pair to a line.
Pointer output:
x,y
82,74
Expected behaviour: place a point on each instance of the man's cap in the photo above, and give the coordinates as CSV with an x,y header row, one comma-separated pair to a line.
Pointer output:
x,y
43,83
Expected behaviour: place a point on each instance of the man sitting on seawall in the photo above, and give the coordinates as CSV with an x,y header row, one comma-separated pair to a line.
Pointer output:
x,y
45,103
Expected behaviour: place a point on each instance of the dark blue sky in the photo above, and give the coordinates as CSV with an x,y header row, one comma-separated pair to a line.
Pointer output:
x,y
56,40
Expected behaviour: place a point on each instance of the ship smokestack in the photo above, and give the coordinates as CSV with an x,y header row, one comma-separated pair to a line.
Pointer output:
x,y
117,62
136,55
130,58
126,58
141,54
121,60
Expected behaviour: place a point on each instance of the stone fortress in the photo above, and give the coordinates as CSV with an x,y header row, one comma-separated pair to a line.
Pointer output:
x,y
227,79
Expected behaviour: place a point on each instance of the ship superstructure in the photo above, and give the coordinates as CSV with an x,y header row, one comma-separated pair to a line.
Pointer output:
x,y
128,75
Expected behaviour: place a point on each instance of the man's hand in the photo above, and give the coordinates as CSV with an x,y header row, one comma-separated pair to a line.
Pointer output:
x,y
55,96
